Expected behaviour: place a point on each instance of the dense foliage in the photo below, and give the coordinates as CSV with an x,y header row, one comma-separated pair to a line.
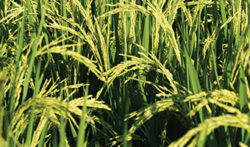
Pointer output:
x,y
124,73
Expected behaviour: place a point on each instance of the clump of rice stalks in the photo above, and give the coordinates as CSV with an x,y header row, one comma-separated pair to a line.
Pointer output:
x,y
197,136
224,99
46,108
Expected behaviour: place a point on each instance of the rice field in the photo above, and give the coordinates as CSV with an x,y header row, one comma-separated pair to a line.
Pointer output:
x,y
153,73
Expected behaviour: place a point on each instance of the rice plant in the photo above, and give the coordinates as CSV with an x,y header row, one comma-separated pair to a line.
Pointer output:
x,y
124,73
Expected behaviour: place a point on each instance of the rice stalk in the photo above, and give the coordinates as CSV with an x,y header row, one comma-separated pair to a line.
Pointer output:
x,y
239,121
